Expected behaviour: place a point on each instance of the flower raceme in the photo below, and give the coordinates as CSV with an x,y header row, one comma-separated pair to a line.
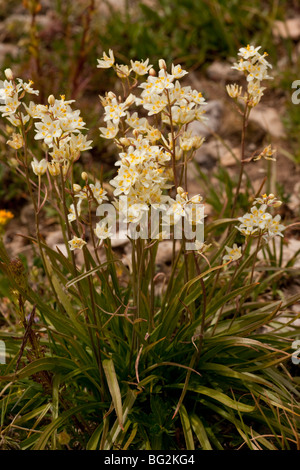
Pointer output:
x,y
255,67
56,123
259,221
144,168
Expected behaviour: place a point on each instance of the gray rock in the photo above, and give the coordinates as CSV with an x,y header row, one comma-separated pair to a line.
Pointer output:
x,y
210,152
214,110
8,50
269,120
222,71
287,29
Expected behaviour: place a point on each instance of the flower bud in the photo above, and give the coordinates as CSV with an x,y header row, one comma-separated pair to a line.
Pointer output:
x,y
196,199
76,188
152,72
197,141
84,175
54,168
162,64
51,100
65,168
8,74
129,100
124,141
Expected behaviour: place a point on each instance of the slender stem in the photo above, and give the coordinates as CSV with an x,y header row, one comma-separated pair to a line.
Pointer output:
x,y
237,192
229,287
173,140
152,292
255,257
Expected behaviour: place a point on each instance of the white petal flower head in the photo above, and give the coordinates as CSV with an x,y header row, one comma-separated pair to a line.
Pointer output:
x,y
156,104
36,110
249,51
76,243
78,143
110,131
98,192
107,61
27,87
177,71
103,231
141,67
233,253
17,120
133,213
6,90
269,200
72,211
123,71
48,130
114,111
39,168
11,105
274,228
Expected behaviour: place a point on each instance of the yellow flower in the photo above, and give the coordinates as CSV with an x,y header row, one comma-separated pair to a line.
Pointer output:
x,y
5,216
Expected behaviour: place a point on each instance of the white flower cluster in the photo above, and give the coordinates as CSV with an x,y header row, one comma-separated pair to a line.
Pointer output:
x,y
183,207
57,125
145,170
11,94
233,254
258,220
60,129
90,192
161,92
255,67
